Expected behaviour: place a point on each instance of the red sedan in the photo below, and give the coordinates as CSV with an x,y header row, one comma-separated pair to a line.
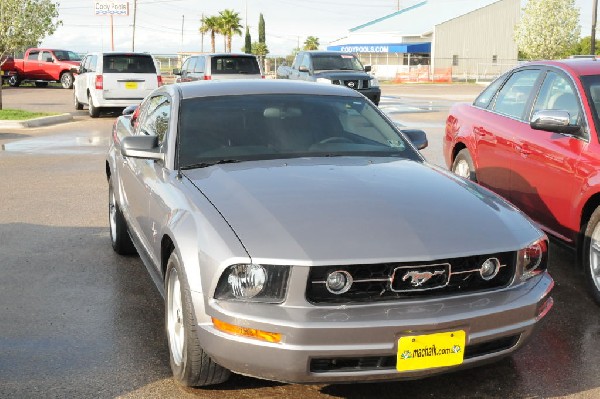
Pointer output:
x,y
532,136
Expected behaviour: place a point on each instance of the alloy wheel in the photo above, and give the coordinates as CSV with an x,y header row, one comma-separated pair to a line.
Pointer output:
x,y
175,323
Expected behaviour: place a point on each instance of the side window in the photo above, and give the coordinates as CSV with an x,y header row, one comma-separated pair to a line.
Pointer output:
x,y
47,56
296,62
157,116
486,96
85,63
557,93
185,65
33,55
191,64
513,97
92,65
199,68
306,61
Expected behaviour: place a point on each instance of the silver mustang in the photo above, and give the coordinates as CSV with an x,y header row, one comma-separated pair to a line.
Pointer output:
x,y
297,235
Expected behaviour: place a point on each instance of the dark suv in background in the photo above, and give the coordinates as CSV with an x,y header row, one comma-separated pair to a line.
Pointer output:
x,y
219,66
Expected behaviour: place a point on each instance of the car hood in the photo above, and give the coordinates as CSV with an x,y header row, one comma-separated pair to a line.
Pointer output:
x,y
354,209
342,75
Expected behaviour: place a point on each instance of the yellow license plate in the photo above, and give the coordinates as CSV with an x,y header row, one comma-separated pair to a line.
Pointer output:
x,y
131,85
420,352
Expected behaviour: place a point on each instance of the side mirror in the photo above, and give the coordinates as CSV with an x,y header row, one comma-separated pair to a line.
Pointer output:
x,y
49,59
303,68
553,121
75,70
130,109
142,147
176,71
417,137
367,68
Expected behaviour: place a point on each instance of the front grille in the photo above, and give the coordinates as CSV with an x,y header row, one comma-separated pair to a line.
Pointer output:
x,y
373,363
396,281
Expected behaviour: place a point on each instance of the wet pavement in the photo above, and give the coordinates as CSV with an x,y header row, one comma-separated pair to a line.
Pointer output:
x,y
77,320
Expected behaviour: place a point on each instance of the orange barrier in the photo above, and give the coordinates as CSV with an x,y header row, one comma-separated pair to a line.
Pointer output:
x,y
442,75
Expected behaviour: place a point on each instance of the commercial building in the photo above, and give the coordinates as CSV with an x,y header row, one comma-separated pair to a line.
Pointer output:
x,y
436,40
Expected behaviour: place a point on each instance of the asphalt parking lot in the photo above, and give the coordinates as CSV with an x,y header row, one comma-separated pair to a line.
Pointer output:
x,y
79,321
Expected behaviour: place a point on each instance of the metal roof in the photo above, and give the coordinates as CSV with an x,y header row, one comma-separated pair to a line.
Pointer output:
x,y
421,17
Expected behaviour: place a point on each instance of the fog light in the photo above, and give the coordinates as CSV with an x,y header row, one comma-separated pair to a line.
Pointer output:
x,y
338,282
489,269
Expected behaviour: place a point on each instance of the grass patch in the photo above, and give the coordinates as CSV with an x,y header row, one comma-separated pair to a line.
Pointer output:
x,y
20,115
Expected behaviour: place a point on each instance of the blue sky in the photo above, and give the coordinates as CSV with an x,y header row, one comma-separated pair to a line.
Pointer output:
x,y
169,26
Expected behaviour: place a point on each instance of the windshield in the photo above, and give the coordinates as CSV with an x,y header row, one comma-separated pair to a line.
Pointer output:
x,y
222,65
591,85
345,62
272,126
62,55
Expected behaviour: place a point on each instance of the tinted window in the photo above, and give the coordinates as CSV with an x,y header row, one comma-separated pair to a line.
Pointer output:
x,y
557,93
234,65
62,55
487,95
512,97
272,126
128,63
156,117
336,61
591,85
33,55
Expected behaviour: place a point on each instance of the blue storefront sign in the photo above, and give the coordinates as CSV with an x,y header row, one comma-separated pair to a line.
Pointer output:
x,y
383,48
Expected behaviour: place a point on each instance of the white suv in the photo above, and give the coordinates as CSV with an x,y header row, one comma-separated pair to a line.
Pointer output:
x,y
111,80
219,66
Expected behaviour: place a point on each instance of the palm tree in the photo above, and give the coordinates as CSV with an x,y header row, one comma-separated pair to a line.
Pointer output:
x,y
311,43
210,25
230,25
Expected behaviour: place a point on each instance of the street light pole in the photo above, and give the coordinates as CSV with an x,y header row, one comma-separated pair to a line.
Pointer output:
x,y
593,38
134,13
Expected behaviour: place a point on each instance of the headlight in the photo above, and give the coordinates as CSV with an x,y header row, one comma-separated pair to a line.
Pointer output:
x,y
374,82
533,259
324,80
253,283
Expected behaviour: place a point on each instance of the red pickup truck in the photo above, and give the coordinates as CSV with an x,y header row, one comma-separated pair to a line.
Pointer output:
x,y
41,66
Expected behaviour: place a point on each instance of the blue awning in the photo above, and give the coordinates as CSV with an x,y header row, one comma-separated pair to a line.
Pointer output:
x,y
384,48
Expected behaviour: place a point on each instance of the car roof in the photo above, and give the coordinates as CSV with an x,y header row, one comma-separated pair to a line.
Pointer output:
x,y
260,86
576,66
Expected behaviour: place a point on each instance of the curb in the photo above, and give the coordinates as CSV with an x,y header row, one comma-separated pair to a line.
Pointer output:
x,y
37,122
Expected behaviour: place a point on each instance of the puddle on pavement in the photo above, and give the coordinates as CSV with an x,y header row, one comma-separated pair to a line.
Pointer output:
x,y
59,145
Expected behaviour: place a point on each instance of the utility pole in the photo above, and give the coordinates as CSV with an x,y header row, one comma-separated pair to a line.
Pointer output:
x,y
182,22
202,34
398,5
134,13
593,38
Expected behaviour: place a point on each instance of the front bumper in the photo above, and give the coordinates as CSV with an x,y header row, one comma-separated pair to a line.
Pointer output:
x,y
373,94
359,343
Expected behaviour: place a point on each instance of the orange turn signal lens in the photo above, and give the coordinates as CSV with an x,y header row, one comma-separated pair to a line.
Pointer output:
x,y
246,332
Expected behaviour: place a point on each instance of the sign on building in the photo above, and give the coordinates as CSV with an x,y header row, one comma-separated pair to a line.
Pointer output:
x,y
111,8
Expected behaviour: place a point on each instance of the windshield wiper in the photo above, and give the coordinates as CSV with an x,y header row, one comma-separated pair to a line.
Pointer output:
x,y
207,164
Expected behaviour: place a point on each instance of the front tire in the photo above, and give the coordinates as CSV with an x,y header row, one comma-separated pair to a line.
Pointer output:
x,y
66,80
463,165
190,364
119,234
14,81
591,254
94,111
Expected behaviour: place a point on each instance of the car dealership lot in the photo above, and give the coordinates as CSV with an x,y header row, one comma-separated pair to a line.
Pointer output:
x,y
79,321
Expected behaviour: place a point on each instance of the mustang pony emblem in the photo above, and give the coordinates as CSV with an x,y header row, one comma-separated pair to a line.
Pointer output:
x,y
420,278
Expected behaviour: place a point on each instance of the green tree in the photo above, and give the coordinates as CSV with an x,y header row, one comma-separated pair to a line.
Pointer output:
x,y
260,50
548,29
230,25
24,23
248,42
210,25
311,43
584,46
261,30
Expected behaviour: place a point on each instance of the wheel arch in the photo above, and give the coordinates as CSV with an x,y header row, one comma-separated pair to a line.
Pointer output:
x,y
588,208
457,148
